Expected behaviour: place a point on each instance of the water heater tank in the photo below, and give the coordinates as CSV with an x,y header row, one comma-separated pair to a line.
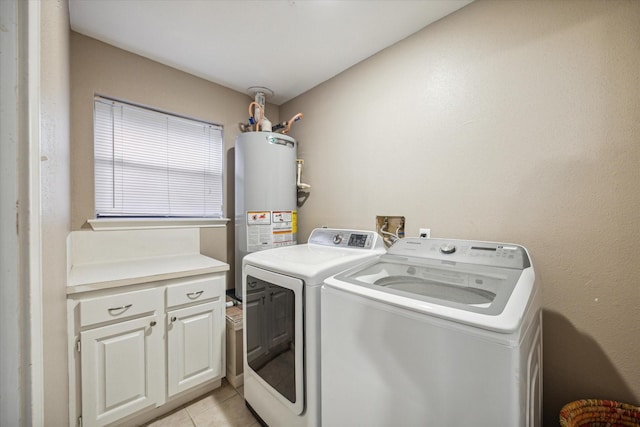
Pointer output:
x,y
265,195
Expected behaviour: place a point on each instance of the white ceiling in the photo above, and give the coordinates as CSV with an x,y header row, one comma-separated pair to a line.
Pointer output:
x,y
288,46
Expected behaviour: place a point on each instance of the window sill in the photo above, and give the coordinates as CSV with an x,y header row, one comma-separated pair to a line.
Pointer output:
x,y
104,224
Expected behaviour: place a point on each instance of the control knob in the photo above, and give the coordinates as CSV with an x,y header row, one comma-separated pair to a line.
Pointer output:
x,y
448,248
337,239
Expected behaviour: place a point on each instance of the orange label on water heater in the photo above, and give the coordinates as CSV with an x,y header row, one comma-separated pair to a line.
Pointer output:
x,y
271,229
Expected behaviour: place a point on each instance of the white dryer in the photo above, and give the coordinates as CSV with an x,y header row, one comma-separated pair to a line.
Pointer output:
x,y
281,313
434,332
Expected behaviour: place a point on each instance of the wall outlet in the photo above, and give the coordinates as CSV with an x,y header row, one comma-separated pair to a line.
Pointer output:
x,y
425,233
390,228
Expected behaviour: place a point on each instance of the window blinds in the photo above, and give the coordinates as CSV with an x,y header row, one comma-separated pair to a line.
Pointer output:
x,y
153,164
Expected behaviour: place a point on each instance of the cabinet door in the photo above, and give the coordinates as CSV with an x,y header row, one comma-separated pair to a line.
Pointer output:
x,y
122,369
194,346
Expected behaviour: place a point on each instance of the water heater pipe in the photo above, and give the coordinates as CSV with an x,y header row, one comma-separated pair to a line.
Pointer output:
x,y
301,186
252,113
291,121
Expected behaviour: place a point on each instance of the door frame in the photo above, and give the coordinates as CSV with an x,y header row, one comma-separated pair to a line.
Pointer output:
x,y
21,303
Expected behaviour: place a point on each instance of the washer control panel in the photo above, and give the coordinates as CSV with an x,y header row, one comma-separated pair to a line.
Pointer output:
x,y
356,239
466,251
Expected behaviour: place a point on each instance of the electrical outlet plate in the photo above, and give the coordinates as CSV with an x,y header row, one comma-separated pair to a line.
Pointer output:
x,y
390,228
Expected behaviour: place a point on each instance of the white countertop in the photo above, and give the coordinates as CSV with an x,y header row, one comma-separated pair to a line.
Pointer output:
x,y
98,260
102,275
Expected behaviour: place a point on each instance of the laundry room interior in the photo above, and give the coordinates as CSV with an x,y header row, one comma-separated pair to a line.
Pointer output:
x,y
503,121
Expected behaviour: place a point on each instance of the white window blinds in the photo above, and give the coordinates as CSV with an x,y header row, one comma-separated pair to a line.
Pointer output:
x,y
154,164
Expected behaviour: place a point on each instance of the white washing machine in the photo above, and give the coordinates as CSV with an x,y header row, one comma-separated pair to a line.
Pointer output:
x,y
433,333
281,313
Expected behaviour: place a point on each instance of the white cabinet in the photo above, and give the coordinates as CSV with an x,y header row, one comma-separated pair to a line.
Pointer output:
x,y
139,349
193,346
119,338
195,334
121,369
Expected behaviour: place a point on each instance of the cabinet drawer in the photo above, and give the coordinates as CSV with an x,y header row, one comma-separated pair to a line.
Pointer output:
x,y
119,306
195,290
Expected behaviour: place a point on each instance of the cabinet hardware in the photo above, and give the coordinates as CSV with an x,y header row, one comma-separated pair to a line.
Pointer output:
x,y
78,346
194,295
123,308
173,319
153,323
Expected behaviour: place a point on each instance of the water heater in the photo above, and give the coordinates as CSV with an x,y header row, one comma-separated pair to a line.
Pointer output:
x,y
265,195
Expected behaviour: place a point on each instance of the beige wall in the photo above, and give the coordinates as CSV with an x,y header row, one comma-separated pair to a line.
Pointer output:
x,y
514,121
99,68
55,204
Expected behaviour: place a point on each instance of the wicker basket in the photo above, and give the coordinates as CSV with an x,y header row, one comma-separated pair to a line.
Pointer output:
x,y
599,413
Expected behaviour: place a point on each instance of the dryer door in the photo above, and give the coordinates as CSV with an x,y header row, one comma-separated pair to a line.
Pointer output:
x,y
274,329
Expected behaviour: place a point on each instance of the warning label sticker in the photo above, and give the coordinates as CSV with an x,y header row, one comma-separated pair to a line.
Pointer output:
x,y
259,218
270,229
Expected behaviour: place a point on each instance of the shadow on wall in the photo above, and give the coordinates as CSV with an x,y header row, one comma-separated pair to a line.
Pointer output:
x,y
230,185
575,367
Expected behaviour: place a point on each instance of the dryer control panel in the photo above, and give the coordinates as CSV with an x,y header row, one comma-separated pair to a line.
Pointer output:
x,y
355,239
466,251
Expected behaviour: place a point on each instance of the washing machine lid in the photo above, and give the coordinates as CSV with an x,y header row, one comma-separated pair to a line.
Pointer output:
x,y
477,282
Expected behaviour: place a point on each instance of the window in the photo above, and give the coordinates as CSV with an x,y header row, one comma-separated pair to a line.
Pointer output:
x,y
153,164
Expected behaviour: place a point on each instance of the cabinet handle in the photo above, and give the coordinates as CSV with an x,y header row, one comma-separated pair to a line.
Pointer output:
x,y
153,323
123,308
194,295
173,319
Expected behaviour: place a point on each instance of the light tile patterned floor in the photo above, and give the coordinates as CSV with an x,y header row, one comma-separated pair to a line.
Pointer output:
x,y
224,407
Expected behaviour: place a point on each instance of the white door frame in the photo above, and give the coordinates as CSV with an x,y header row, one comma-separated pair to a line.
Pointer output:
x,y
34,236
21,371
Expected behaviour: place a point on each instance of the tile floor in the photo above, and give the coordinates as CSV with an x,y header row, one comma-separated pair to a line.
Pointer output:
x,y
223,407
